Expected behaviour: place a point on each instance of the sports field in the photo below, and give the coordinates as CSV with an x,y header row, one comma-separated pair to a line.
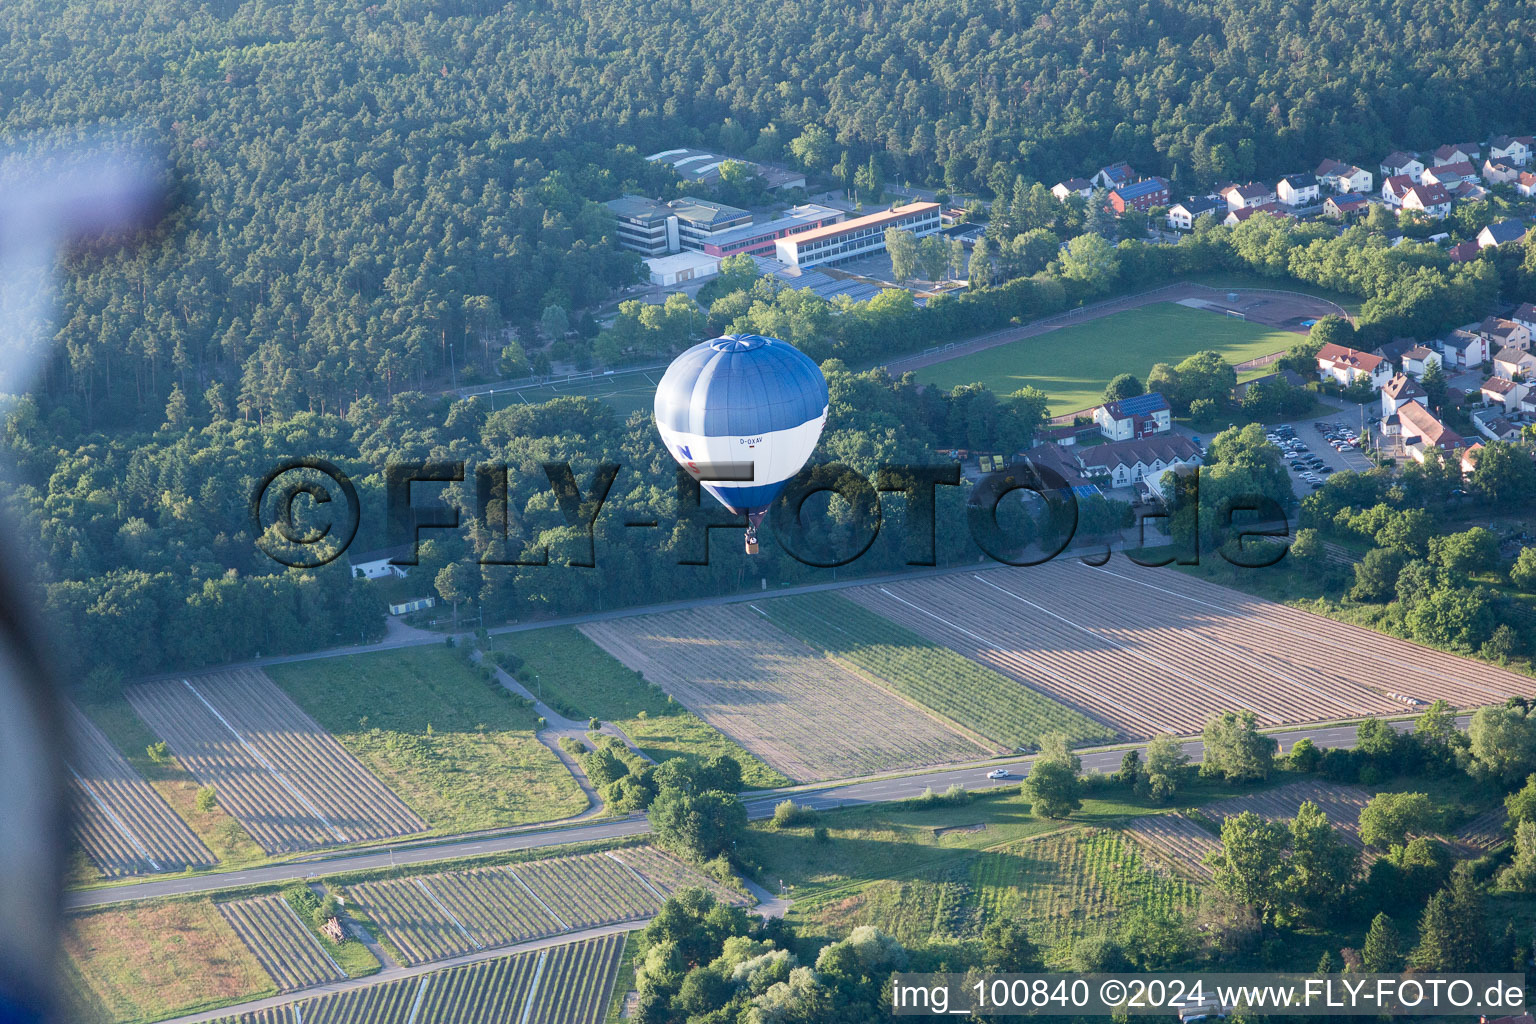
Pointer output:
x,y
1073,365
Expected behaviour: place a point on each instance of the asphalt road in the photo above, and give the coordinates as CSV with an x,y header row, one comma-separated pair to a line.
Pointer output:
x,y
851,793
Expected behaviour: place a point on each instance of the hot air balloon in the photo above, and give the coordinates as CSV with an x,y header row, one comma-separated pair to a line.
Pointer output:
x,y
742,398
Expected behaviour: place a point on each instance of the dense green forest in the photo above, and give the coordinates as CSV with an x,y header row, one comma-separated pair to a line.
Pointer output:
x,y
367,199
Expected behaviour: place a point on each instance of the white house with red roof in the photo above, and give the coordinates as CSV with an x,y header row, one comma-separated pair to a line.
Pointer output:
x,y
1401,390
1393,188
1249,196
1449,175
1456,153
1505,392
1420,430
1497,172
1345,365
1525,316
1430,200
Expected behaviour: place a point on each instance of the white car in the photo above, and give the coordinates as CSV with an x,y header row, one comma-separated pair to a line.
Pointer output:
x,y
999,773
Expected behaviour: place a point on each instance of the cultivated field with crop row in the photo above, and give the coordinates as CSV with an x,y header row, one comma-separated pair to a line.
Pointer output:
x,y
968,693
287,949
271,1015
1179,840
1150,651
388,1002
589,890
1485,831
1342,805
289,783
667,874
434,917
117,818
1070,884
577,982
796,709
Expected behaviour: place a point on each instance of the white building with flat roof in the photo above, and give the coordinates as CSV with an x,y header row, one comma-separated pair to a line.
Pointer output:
x,y
678,269
853,238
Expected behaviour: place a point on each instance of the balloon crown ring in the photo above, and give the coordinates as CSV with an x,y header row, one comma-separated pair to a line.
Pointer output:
x,y
738,342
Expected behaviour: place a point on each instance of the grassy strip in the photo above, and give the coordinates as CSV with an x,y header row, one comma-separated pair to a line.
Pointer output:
x,y
623,980
579,679
351,956
970,694
457,748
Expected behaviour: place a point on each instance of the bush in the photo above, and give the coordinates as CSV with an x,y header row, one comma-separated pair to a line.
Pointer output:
x,y
207,799
789,814
159,752
819,833
954,796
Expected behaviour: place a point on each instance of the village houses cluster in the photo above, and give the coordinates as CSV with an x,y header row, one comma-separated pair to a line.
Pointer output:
x,y
1410,426
1427,184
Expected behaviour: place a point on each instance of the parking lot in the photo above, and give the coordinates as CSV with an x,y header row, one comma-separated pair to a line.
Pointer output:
x,y
1316,446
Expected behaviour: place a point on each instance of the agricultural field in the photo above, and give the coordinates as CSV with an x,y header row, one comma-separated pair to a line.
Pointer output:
x,y
1179,840
577,982
288,782
1147,651
118,819
580,680
1485,832
969,694
567,984
1060,886
459,750
143,962
281,943
1342,805
588,890
1073,365
666,874
434,917
803,714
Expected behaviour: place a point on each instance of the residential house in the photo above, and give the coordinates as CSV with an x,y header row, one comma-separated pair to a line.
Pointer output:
x,y
1467,191
1236,217
1345,206
1449,175
1135,417
1497,172
1511,149
1430,200
1401,390
1344,365
1462,252
1064,190
1114,175
1400,163
1525,316
1526,184
1495,425
1504,392
1456,153
1182,216
1502,333
1242,197
1393,188
1468,464
1420,430
1297,190
1290,377
1463,349
1126,463
1392,351
1338,176
1500,233
1138,195
1514,362
1418,359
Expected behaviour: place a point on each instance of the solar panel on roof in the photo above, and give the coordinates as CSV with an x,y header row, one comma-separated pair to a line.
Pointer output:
x,y
1142,404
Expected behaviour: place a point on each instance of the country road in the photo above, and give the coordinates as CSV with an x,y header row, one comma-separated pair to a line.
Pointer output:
x,y
848,793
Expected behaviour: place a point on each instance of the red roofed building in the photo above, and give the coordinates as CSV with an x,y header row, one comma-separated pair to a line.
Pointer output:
x,y
1421,430
1344,365
1430,200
